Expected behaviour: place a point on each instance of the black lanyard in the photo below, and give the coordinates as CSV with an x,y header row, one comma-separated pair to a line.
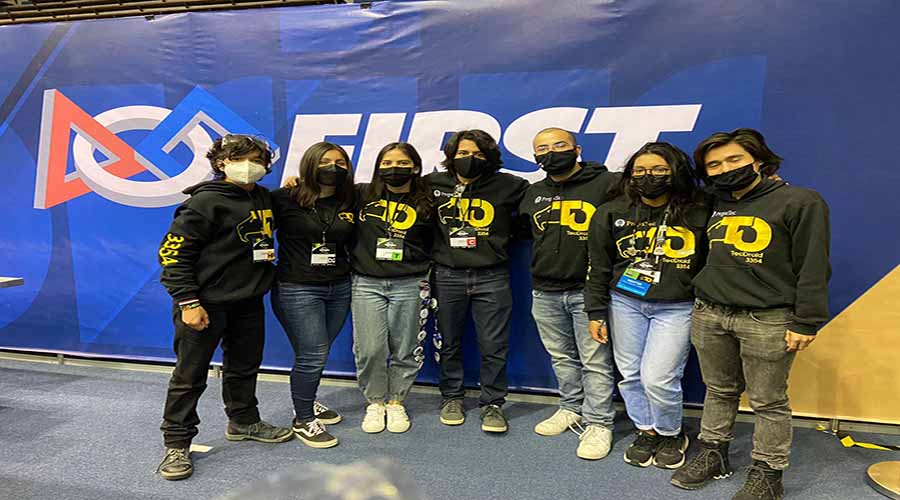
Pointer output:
x,y
326,226
458,194
660,235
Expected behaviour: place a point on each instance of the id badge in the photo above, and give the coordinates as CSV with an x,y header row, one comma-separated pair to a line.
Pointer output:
x,y
634,282
263,250
389,249
323,254
463,237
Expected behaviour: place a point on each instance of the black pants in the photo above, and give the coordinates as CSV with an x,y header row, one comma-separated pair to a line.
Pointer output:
x,y
487,293
240,327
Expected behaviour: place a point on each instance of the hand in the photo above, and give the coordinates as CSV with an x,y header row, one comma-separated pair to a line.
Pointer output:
x,y
195,318
291,182
599,331
797,341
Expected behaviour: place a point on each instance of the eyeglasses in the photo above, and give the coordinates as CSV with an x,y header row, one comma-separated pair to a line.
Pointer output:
x,y
655,171
559,146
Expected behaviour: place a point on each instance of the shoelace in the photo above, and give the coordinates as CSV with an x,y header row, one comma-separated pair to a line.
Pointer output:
x,y
645,439
758,483
670,443
174,454
492,411
319,408
375,411
578,429
396,410
315,428
702,462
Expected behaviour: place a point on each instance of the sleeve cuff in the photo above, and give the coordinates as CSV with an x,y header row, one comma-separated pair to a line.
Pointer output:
x,y
597,315
802,328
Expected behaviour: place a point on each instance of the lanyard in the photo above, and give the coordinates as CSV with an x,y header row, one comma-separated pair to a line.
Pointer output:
x,y
458,194
326,226
660,239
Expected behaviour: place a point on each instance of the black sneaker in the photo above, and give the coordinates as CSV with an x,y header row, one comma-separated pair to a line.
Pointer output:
x,y
453,412
492,419
325,414
763,483
260,431
640,452
176,464
711,463
314,434
670,454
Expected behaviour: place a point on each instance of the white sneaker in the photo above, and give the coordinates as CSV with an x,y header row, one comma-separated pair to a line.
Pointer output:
x,y
558,423
595,443
397,419
373,422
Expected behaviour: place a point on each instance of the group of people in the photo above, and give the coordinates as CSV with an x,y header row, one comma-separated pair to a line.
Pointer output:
x,y
628,270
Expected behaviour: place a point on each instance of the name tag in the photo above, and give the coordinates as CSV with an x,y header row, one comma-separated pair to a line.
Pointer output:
x,y
639,277
263,250
463,237
389,249
323,254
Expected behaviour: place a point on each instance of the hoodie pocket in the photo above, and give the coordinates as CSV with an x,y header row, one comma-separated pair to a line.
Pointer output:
x,y
737,286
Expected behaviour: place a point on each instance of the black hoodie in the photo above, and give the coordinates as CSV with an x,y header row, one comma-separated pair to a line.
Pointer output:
x,y
300,228
610,240
489,205
770,249
208,252
558,216
372,221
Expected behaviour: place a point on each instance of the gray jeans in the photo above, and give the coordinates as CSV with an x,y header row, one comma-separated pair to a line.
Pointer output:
x,y
745,349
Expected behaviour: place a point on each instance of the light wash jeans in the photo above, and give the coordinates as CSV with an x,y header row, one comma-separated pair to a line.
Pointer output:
x,y
651,342
386,326
583,366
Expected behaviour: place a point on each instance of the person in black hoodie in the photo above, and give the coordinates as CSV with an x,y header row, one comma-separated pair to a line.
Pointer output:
x,y
474,222
391,257
311,295
557,212
217,264
645,247
761,297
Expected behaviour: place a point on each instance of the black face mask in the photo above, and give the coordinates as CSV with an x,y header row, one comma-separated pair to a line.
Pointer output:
x,y
395,176
734,180
470,167
652,186
331,175
557,162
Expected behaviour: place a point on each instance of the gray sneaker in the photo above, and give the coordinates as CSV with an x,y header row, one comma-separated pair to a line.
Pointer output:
x,y
492,419
176,464
453,412
260,431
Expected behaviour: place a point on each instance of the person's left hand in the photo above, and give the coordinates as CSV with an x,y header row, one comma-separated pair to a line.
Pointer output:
x,y
797,341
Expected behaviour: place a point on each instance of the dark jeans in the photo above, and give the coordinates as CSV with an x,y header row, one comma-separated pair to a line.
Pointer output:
x,y
745,349
312,316
487,292
240,327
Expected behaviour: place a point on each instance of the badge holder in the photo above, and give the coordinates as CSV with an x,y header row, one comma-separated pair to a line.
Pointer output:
x,y
463,237
263,250
323,254
389,249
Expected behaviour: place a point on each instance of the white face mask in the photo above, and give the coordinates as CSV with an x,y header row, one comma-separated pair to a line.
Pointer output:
x,y
244,172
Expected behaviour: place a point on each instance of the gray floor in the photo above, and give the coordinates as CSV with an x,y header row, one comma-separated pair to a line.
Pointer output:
x,y
69,432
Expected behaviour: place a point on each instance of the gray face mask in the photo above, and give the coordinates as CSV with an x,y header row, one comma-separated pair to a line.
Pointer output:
x,y
244,172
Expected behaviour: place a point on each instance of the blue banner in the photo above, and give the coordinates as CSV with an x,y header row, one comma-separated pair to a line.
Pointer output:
x,y
103,123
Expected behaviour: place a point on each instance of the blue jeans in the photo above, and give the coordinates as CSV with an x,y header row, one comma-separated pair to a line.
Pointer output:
x,y
583,366
488,294
651,342
385,335
312,315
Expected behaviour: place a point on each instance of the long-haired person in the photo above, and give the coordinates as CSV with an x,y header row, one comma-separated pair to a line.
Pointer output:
x,y
645,248
391,257
475,219
216,263
761,298
311,296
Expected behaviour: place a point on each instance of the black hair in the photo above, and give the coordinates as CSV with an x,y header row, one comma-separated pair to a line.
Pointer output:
x,y
747,138
422,198
307,189
684,191
234,146
482,139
